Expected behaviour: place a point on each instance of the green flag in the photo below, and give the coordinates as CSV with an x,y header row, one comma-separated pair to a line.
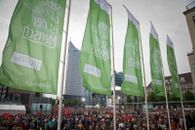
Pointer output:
x,y
32,52
132,73
173,67
156,64
95,61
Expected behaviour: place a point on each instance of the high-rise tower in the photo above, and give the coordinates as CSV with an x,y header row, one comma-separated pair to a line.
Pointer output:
x,y
73,82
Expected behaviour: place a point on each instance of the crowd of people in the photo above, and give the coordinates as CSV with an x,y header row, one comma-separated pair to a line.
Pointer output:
x,y
101,119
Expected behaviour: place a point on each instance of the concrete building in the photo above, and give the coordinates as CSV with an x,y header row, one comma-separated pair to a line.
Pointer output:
x,y
74,89
73,82
185,82
190,19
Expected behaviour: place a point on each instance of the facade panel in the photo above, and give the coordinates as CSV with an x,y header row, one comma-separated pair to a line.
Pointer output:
x,y
73,82
190,19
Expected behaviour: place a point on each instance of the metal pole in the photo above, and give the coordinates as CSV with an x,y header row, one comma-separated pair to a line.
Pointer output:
x,y
30,103
63,69
182,107
145,90
144,76
114,94
181,97
167,105
165,89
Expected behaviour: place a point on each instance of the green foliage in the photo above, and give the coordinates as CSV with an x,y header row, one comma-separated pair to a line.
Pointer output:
x,y
160,98
135,99
172,97
129,99
141,99
70,102
153,97
188,96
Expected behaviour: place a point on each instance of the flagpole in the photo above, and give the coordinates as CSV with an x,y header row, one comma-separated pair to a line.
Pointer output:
x,y
114,94
165,89
65,37
145,90
182,106
144,74
181,96
167,105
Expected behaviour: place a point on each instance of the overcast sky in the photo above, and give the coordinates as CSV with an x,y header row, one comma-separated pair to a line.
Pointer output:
x,y
166,16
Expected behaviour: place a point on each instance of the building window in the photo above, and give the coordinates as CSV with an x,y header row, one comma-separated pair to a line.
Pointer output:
x,y
182,79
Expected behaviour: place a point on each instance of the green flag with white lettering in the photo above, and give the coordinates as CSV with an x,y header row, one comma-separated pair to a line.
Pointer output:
x,y
95,61
173,67
132,73
156,64
32,52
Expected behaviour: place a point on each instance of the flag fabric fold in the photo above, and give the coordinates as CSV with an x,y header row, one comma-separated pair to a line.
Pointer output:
x,y
95,59
156,64
132,72
173,68
32,52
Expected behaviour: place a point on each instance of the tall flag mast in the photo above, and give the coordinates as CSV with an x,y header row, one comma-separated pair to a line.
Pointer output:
x,y
176,88
95,60
113,68
61,81
156,67
132,71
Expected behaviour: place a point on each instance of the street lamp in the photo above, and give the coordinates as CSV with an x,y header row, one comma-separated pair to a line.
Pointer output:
x,y
118,100
83,101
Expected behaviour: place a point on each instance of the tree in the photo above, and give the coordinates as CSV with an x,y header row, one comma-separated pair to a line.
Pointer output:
x,y
70,102
129,99
141,99
188,96
151,96
160,98
172,97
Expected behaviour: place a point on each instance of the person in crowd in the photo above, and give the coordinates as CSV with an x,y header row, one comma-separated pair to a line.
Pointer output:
x,y
97,120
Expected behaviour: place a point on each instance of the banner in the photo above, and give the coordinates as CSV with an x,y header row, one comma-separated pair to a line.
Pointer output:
x,y
95,61
132,73
173,68
32,52
156,64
